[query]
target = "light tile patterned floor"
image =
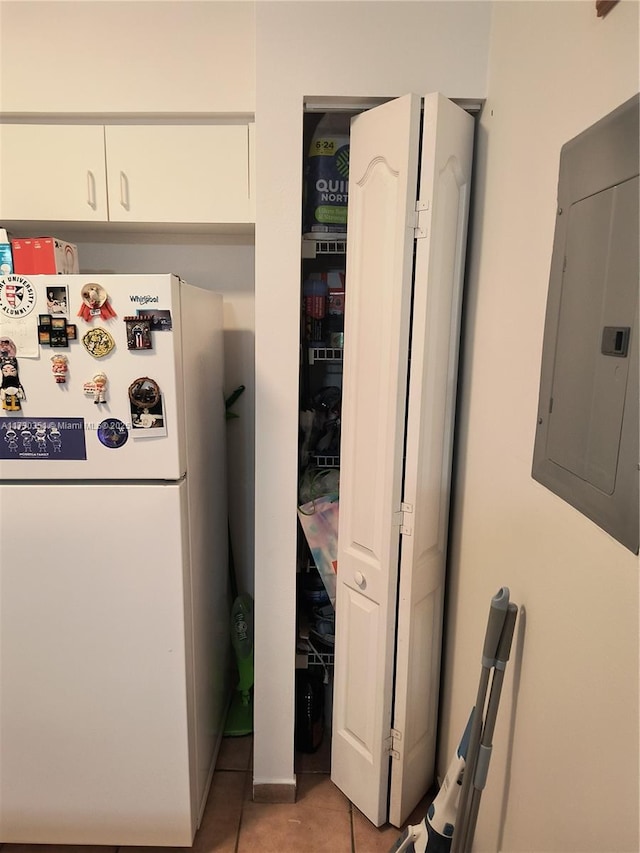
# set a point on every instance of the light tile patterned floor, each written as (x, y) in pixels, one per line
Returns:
(322, 820)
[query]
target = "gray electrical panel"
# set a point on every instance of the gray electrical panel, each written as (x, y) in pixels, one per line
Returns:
(586, 447)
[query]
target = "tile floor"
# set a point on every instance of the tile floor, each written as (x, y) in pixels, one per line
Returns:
(322, 820)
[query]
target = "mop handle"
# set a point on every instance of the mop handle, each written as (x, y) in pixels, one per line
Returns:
(506, 637)
(497, 615)
(495, 624)
(486, 746)
(502, 656)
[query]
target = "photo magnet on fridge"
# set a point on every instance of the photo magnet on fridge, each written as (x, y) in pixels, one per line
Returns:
(160, 319)
(44, 330)
(58, 332)
(147, 415)
(57, 299)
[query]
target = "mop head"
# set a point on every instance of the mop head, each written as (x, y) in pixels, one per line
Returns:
(240, 715)
(435, 833)
(424, 838)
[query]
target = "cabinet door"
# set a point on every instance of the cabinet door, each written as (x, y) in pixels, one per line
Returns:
(400, 361)
(52, 172)
(178, 173)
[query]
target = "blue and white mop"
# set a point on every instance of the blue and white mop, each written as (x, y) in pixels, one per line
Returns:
(451, 819)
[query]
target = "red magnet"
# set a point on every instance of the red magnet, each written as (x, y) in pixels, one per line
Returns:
(95, 303)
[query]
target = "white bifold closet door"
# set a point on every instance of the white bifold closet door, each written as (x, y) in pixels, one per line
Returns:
(409, 182)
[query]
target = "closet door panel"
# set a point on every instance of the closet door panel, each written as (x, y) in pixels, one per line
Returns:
(382, 186)
(447, 142)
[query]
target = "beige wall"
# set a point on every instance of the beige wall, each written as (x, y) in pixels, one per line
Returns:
(564, 774)
(120, 56)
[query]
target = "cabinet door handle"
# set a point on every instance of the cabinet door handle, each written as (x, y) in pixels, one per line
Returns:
(360, 580)
(91, 190)
(124, 191)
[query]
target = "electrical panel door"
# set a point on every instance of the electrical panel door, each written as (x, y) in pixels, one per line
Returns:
(586, 447)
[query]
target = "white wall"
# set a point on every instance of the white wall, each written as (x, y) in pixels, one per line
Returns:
(564, 774)
(124, 56)
(354, 49)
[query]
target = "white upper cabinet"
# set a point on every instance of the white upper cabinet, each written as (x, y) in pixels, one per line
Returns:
(52, 172)
(178, 173)
(126, 173)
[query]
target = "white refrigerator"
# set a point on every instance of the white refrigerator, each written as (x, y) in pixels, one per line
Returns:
(114, 606)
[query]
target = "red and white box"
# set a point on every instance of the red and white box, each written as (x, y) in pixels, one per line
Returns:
(44, 256)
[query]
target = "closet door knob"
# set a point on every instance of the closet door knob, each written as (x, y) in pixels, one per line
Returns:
(360, 579)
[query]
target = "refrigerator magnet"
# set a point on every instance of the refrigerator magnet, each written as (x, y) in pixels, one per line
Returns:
(7, 348)
(95, 303)
(147, 415)
(11, 390)
(98, 342)
(60, 367)
(97, 388)
(160, 319)
(58, 332)
(57, 299)
(17, 296)
(113, 433)
(138, 333)
(44, 330)
(43, 438)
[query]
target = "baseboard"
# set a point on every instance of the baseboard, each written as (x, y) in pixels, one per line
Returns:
(274, 793)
